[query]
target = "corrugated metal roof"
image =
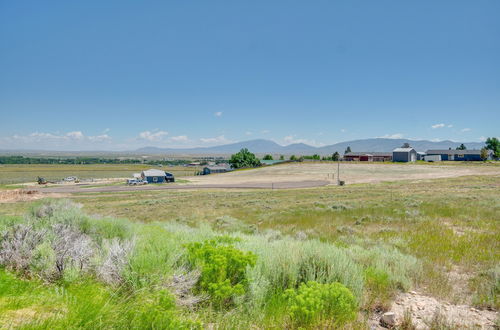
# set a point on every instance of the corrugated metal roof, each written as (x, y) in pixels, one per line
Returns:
(153, 172)
(454, 152)
(403, 150)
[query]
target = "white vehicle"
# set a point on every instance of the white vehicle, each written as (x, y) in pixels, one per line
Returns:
(135, 182)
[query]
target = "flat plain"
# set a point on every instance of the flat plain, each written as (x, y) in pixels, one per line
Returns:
(423, 237)
(25, 173)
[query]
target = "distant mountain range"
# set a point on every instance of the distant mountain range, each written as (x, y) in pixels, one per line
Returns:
(261, 146)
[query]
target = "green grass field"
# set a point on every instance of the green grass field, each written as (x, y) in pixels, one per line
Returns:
(22, 173)
(440, 237)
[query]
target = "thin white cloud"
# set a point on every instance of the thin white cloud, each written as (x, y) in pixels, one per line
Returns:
(221, 139)
(180, 138)
(77, 135)
(392, 136)
(218, 114)
(450, 126)
(438, 126)
(99, 138)
(465, 129)
(248, 133)
(265, 131)
(482, 139)
(39, 140)
(152, 136)
(343, 130)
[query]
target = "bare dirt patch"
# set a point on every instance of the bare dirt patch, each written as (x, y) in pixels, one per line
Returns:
(424, 310)
(22, 195)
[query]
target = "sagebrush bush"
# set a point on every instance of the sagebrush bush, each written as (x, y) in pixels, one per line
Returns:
(223, 268)
(54, 242)
(313, 302)
(401, 268)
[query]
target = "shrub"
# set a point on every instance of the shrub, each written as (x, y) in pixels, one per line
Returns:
(115, 260)
(223, 268)
(18, 245)
(52, 244)
(314, 302)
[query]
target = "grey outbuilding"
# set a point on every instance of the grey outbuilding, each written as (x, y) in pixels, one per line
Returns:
(404, 155)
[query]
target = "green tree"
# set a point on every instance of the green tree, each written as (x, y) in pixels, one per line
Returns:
(293, 157)
(347, 150)
(406, 145)
(484, 153)
(282, 157)
(244, 158)
(462, 147)
(493, 144)
(335, 156)
(268, 157)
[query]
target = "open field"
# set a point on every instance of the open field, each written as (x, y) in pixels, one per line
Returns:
(298, 175)
(349, 171)
(22, 173)
(427, 243)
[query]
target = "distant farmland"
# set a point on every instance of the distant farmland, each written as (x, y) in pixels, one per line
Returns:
(10, 174)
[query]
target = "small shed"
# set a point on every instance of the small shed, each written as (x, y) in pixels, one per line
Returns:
(216, 169)
(404, 155)
(153, 176)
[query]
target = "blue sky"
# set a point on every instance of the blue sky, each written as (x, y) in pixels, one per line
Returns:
(116, 75)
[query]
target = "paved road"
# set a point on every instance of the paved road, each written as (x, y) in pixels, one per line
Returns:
(277, 185)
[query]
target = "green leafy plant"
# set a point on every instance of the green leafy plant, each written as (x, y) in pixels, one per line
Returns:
(313, 302)
(244, 158)
(223, 268)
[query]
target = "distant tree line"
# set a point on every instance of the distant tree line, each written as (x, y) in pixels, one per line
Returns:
(85, 160)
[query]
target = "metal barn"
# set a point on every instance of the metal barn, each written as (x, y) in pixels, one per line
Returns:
(404, 155)
(154, 176)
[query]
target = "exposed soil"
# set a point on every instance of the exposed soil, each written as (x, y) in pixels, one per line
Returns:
(22, 195)
(423, 309)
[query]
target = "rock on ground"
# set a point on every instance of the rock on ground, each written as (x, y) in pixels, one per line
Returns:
(423, 309)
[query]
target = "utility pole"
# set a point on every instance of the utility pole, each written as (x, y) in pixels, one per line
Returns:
(338, 172)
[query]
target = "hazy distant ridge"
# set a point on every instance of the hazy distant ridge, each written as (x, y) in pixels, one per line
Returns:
(267, 146)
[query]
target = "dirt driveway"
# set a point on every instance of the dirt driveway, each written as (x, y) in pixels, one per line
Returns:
(256, 185)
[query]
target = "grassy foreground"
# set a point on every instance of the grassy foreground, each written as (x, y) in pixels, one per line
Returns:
(155, 270)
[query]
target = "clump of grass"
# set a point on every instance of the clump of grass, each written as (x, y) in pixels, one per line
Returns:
(231, 224)
(378, 292)
(487, 289)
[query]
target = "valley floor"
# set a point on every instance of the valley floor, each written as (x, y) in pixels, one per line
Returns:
(426, 248)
